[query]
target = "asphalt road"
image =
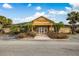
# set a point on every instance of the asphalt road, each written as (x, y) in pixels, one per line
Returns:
(39, 48)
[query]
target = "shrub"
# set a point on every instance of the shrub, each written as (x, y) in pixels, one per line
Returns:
(54, 35)
(15, 29)
(77, 31)
(21, 35)
(32, 34)
(62, 36)
(25, 35)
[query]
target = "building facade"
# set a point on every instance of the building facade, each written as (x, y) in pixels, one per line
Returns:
(44, 25)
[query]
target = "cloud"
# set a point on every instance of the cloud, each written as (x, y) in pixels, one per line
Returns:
(62, 12)
(53, 11)
(68, 8)
(75, 6)
(29, 5)
(6, 5)
(58, 15)
(38, 8)
(29, 18)
(39, 14)
(55, 15)
(36, 15)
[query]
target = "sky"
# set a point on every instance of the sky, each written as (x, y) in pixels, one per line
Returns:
(25, 12)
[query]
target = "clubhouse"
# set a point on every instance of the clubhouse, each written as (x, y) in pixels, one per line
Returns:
(43, 25)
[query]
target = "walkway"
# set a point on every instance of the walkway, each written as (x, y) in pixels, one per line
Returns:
(42, 37)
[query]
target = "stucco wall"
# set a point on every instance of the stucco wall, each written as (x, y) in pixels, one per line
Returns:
(41, 21)
(65, 30)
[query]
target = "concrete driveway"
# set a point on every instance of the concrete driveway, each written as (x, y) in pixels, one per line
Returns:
(39, 48)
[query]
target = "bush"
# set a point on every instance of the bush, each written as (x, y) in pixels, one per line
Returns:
(15, 30)
(54, 35)
(21, 35)
(77, 31)
(25, 35)
(32, 34)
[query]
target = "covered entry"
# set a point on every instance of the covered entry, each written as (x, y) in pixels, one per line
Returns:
(42, 25)
(42, 29)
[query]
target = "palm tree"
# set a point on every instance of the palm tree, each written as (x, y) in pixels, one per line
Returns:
(9, 21)
(73, 18)
(29, 25)
(2, 19)
(57, 26)
(5, 21)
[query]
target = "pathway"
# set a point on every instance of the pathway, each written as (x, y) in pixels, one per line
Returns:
(42, 37)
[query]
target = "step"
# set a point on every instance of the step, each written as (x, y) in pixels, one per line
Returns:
(41, 37)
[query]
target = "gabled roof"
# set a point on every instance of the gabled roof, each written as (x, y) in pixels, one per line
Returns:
(44, 18)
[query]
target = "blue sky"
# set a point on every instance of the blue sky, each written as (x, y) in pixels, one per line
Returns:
(24, 12)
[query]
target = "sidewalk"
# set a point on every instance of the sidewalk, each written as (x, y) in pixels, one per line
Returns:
(42, 37)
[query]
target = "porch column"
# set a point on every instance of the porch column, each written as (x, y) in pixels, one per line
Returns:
(50, 27)
(32, 29)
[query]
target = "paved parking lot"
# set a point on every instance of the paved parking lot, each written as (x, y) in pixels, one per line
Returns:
(39, 48)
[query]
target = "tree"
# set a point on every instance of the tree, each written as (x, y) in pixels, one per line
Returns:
(57, 26)
(73, 18)
(29, 26)
(15, 29)
(9, 21)
(5, 21)
(1, 27)
(23, 28)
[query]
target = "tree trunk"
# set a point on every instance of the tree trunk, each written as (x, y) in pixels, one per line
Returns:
(54, 29)
(73, 28)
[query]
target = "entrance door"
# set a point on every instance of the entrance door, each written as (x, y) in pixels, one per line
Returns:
(42, 30)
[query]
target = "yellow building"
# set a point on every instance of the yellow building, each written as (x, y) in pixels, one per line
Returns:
(43, 25)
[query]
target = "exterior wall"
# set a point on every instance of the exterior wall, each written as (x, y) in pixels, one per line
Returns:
(41, 21)
(51, 28)
(65, 30)
(38, 29)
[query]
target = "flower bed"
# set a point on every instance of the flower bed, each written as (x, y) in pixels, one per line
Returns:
(54, 35)
(25, 35)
